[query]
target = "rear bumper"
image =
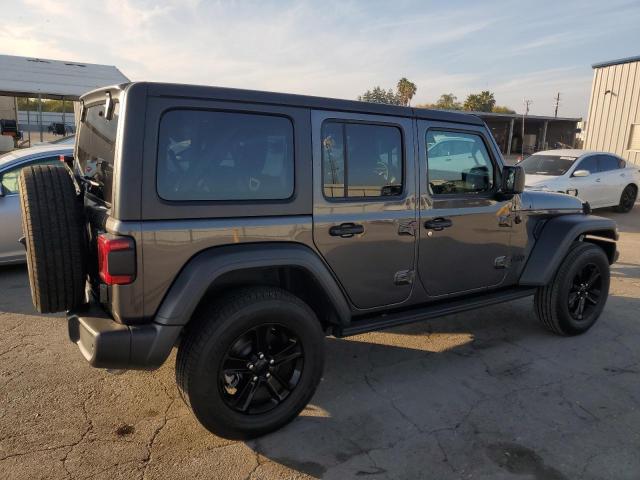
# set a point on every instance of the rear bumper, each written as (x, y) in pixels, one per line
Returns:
(105, 343)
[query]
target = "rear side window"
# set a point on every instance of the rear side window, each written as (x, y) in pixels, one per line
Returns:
(457, 163)
(212, 155)
(361, 160)
(96, 150)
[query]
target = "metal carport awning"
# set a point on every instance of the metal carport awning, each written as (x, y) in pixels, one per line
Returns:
(53, 79)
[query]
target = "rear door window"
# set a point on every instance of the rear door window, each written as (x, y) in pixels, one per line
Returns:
(361, 160)
(213, 155)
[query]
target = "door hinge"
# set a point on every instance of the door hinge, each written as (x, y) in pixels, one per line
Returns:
(403, 277)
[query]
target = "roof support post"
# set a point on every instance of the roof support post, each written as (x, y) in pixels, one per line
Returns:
(40, 116)
(29, 120)
(544, 135)
(510, 137)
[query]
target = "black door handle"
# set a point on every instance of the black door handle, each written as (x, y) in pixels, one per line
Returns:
(346, 230)
(438, 224)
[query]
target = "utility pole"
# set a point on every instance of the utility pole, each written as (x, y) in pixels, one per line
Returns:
(526, 112)
(556, 105)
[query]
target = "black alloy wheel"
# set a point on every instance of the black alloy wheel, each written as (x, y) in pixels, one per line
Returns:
(585, 292)
(261, 369)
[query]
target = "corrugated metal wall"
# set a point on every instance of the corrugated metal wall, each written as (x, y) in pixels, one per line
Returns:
(614, 107)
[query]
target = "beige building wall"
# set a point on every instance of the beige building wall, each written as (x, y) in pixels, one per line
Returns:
(614, 109)
(8, 108)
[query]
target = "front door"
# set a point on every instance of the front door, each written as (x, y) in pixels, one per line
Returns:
(364, 212)
(590, 188)
(465, 227)
(10, 214)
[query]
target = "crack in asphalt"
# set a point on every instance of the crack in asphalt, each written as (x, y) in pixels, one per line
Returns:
(148, 459)
(84, 435)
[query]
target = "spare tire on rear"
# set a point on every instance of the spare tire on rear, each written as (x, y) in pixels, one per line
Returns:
(55, 238)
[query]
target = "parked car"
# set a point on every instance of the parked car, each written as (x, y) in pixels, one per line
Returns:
(600, 178)
(243, 227)
(58, 128)
(10, 165)
(9, 129)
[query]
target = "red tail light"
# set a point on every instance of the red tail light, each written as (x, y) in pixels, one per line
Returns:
(116, 259)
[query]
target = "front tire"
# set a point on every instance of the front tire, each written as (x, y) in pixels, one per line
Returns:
(251, 362)
(627, 199)
(574, 300)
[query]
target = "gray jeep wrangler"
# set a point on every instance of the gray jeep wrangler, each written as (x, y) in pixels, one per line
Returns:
(243, 227)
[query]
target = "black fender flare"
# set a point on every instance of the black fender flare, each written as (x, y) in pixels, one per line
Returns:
(204, 268)
(554, 242)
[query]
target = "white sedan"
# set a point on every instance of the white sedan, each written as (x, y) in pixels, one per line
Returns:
(600, 178)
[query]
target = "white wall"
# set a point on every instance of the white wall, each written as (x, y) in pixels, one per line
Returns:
(7, 108)
(614, 107)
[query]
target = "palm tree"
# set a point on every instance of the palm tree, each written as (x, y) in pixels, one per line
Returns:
(406, 90)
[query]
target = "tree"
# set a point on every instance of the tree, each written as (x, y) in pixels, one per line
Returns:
(379, 95)
(47, 105)
(480, 102)
(405, 91)
(448, 101)
(502, 109)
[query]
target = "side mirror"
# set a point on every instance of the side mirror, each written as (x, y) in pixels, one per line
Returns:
(512, 180)
(581, 173)
(2, 190)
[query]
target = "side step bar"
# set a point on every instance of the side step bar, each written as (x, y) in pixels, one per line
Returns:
(439, 309)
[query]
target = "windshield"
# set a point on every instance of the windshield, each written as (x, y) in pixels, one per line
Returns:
(95, 150)
(553, 165)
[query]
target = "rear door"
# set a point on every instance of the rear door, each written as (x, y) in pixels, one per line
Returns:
(614, 178)
(364, 210)
(465, 227)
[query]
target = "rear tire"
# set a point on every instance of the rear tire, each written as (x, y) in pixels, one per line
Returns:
(627, 199)
(53, 227)
(232, 390)
(575, 298)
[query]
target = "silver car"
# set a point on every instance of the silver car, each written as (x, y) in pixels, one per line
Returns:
(10, 222)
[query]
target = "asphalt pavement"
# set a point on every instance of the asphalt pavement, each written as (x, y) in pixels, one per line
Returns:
(484, 394)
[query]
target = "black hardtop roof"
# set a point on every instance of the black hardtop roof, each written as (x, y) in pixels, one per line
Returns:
(157, 89)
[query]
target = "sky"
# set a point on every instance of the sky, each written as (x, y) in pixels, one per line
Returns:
(339, 49)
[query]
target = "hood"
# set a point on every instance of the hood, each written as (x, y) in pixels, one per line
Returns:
(534, 180)
(549, 201)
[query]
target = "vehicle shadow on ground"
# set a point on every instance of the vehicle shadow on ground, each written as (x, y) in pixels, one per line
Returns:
(384, 392)
(15, 296)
